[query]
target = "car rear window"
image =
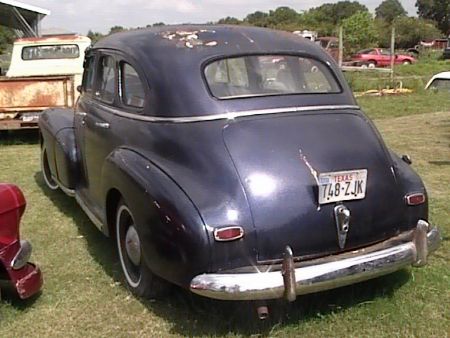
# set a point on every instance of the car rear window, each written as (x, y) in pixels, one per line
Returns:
(266, 75)
(441, 84)
(66, 51)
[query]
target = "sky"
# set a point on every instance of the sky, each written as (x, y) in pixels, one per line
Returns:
(98, 15)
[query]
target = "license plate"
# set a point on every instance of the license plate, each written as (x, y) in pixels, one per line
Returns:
(342, 186)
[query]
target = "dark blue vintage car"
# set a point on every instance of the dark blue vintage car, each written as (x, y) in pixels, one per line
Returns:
(235, 162)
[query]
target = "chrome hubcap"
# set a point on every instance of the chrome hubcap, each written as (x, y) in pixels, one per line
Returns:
(133, 245)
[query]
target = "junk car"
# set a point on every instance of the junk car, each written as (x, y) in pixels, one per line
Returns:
(234, 162)
(15, 270)
(439, 82)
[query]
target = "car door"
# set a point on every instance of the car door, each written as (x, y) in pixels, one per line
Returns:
(106, 125)
(100, 126)
(385, 57)
(81, 110)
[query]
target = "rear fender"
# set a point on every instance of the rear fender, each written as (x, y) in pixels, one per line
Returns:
(173, 235)
(410, 182)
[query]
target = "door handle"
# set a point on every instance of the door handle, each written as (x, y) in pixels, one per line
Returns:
(104, 125)
(81, 113)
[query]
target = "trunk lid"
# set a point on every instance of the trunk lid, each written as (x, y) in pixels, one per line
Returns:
(279, 158)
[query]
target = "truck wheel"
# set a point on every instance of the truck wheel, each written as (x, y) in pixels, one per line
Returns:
(406, 62)
(46, 173)
(139, 279)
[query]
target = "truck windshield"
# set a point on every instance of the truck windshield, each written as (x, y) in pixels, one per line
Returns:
(265, 75)
(67, 51)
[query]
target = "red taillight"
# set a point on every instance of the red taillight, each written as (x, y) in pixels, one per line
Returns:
(415, 199)
(228, 233)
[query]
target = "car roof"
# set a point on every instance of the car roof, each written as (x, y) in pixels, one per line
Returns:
(203, 41)
(442, 75)
(172, 59)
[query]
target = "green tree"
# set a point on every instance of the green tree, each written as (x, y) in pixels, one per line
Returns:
(158, 24)
(257, 18)
(229, 20)
(94, 36)
(6, 38)
(282, 16)
(388, 10)
(436, 10)
(359, 32)
(328, 16)
(116, 29)
(408, 32)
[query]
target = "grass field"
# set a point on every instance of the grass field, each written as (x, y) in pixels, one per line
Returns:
(413, 76)
(83, 294)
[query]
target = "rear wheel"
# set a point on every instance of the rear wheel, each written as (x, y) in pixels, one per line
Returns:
(406, 62)
(372, 64)
(139, 279)
(46, 173)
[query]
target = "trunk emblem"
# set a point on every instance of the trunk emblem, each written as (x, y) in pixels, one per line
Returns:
(342, 218)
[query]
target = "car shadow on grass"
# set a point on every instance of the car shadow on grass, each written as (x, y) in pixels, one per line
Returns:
(16, 137)
(100, 247)
(192, 315)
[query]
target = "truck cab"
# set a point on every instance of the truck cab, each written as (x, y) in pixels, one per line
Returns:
(53, 55)
(44, 73)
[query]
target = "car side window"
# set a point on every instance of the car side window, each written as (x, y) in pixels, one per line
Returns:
(88, 77)
(107, 79)
(131, 87)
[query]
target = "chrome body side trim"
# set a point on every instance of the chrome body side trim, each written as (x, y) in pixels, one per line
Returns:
(229, 115)
(337, 271)
(89, 213)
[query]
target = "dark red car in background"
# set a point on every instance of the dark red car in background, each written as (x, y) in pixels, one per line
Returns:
(15, 270)
(378, 57)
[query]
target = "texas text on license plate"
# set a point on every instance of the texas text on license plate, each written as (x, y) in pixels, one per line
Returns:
(342, 186)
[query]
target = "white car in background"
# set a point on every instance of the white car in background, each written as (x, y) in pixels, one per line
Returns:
(440, 81)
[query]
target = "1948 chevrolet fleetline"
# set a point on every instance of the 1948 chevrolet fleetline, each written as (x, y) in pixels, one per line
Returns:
(235, 162)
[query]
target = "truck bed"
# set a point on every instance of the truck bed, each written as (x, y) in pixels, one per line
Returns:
(23, 98)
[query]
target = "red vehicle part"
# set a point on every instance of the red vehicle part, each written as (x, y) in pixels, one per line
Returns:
(377, 57)
(14, 253)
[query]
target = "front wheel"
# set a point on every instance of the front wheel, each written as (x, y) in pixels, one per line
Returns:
(139, 279)
(46, 173)
(406, 62)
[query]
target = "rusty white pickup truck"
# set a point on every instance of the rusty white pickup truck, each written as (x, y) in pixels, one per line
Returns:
(44, 73)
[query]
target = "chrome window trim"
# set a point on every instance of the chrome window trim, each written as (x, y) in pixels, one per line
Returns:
(229, 115)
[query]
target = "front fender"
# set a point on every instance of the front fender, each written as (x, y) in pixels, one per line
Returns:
(56, 126)
(174, 237)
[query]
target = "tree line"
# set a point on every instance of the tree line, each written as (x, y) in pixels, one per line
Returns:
(362, 28)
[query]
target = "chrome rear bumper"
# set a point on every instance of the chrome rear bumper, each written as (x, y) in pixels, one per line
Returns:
(322, 274)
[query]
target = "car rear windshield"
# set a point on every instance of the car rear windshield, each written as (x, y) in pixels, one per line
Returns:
(67, 51)
(441, 84)
(265, 75)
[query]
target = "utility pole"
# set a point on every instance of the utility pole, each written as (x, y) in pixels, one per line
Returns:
(341, 46)
(392, 53)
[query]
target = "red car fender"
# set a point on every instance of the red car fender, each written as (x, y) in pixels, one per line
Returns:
(12, 207)
(28, 279)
